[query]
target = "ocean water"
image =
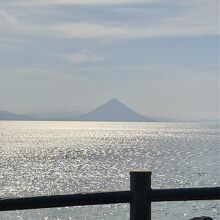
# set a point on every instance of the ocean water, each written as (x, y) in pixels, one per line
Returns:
(44, 158)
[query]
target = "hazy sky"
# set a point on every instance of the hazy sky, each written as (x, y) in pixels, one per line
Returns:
(160, 57)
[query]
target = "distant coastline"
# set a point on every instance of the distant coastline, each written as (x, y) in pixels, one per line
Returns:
(111, 111)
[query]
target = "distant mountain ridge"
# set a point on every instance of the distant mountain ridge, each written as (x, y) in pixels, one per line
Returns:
(113, 110)
(59, 115)
(4, 115)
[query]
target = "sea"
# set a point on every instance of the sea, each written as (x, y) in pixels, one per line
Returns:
(46, 158)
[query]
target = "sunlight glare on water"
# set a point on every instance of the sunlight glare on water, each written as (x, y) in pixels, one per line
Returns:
(39, 158)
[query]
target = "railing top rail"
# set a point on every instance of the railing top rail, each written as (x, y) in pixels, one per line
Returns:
(97, 198)
(185, 194)
(64, 200)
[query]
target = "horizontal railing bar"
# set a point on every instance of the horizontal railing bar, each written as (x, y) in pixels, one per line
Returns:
(185, 194)
(98, 198)
(53, 201)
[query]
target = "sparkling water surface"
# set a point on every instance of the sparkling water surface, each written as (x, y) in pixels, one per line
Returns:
(44, 158)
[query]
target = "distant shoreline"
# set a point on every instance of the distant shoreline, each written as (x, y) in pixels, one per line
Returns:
(167, 122)
(111, 111)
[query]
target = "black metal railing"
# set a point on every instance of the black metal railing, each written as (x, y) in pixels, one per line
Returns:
(140, 196)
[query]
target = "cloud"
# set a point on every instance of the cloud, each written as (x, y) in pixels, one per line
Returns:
(8, 18)
(83, 57)
(77, 2)
(195, 20)
(170, 28)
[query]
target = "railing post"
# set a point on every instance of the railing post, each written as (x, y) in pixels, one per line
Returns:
(140, 205)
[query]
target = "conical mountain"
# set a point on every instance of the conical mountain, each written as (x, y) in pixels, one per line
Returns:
(113, 110)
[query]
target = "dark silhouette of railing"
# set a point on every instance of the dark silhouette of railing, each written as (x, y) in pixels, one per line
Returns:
(140, 196)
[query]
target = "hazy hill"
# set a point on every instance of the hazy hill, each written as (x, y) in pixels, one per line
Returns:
(4, 115)
(46, 116)
(56, 116)
(113, 110)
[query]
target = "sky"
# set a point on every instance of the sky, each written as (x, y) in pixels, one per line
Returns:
(159, 57)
